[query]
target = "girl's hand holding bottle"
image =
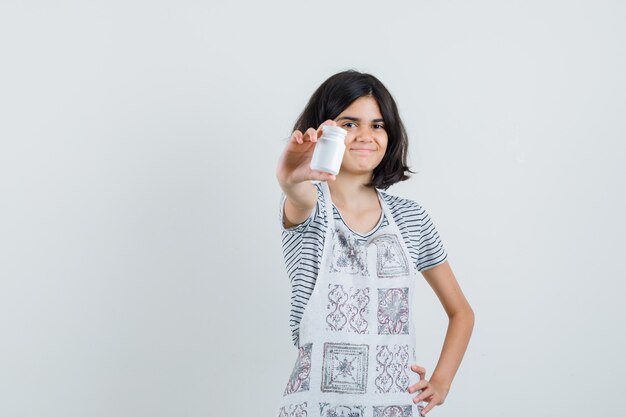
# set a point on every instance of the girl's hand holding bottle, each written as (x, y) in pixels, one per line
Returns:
(294, 162)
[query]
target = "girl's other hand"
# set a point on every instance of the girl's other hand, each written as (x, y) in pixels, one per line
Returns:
(294, 163)
(429, 391)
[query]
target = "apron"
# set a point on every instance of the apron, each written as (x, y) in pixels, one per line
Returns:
(357, 337)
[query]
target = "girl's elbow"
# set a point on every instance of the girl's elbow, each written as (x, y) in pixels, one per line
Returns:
(465, 314)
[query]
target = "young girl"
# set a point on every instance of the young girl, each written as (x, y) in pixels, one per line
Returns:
(352, 253)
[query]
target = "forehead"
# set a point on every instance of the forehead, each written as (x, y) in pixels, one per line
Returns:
(366, 106)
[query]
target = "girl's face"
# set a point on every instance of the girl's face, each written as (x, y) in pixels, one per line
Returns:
(366, 141)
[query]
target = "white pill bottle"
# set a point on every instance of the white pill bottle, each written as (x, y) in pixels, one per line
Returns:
(329, 149)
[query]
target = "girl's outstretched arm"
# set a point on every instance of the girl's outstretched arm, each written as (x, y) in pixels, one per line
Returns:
(461, 323)
(294, 172)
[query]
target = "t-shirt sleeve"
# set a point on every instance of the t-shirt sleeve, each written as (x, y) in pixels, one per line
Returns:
(302, 227)
(431, 251)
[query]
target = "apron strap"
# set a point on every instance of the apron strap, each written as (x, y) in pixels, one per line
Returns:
(328, 203)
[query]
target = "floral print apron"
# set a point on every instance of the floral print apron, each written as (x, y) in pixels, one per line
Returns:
(357, 338)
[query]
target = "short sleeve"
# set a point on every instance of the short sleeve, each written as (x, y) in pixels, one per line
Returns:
(302, 227)
(431, 251)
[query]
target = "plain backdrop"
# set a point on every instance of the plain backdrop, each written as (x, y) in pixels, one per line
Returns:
(141, 270)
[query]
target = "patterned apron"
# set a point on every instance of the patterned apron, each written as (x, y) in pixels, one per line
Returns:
(357, 339)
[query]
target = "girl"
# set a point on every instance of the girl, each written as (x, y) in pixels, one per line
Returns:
(352, 253)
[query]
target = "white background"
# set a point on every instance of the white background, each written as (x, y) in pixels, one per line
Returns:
(141, 271)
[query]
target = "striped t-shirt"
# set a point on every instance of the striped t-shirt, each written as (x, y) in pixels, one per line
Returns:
(303, 245)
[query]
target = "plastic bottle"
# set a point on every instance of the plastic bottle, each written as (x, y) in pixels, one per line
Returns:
(329, 149)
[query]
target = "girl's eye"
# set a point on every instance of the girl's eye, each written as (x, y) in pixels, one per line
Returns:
(349, 124)
(379, 126)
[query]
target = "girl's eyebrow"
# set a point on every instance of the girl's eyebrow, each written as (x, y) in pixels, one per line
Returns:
(356, 119)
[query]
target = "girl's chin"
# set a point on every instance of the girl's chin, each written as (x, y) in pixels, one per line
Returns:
(360, 170)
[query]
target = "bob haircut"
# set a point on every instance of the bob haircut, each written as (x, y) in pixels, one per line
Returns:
(336, 94)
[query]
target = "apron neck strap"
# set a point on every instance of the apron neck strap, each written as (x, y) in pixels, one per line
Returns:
(328, 203)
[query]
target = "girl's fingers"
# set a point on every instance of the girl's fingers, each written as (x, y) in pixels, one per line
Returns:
(418, 386)
(428, 407)
(421, 371)
(328, 122)
(310, 135)
(296, 136)
(424, 395)
(322, 176)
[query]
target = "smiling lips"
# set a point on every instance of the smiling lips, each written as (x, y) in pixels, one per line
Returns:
(362, 150)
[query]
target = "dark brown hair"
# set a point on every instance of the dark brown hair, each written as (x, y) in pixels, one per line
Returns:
(336, 94)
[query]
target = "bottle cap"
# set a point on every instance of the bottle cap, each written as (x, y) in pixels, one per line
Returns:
(334, 131)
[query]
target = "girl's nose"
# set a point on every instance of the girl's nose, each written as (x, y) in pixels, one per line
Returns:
(365, 133)
(364, 136)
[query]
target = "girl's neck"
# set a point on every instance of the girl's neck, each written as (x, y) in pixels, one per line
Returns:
(349, 190)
